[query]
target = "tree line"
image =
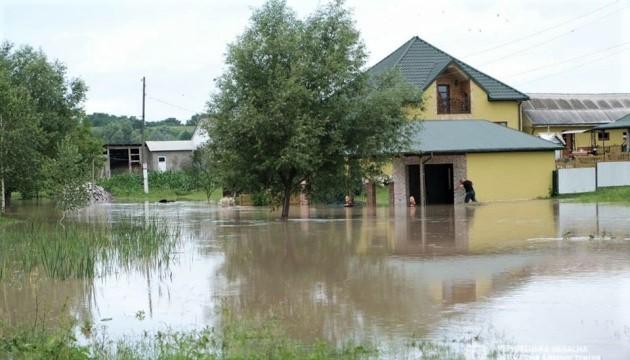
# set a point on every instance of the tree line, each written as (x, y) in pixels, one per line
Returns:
(113, 129)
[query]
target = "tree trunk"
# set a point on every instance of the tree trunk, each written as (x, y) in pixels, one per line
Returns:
(286, 202)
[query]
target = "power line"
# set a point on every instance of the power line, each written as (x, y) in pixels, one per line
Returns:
(500, 45)
(581, 56)
(172, 105)
(617, 11)
(571, 68)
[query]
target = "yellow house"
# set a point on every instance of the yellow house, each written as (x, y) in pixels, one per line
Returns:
(503, 163)
(573, 116)
(451, 88)
(472, 129)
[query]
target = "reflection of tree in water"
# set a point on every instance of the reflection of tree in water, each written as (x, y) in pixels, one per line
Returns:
(315, 284)
(362, 277)
(48, 272)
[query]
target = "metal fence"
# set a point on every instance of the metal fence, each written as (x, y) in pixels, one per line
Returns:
(587, 179)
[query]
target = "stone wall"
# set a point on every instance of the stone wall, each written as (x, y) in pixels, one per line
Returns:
(399, 174)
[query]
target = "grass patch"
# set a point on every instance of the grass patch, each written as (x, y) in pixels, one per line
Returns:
(619, 194)
(4, 220)
(156, 195)
(170, 185)
(84, 251)
(236, 339)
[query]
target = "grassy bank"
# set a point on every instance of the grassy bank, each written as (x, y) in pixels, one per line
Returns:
(235, 339)
(159, 194)
(619, 194)
(170, 185)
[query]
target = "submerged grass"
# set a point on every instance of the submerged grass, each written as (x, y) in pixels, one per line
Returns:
(234, 340)
(619, 194)
(82, 250)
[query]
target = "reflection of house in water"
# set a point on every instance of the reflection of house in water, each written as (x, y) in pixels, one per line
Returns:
(461, 229)
(426, 244)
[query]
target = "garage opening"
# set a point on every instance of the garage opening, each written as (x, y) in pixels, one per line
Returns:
(438, 181)
(119, 160)
(413, 179)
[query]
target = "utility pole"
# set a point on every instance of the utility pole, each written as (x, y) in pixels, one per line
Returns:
(145, 175)
(3, 201)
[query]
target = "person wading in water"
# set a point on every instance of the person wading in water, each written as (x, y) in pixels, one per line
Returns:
(468, 188)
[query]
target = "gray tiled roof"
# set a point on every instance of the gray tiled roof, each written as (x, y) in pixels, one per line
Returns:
(420, 63)
(622, 123)
(575, 109)
(472, 136)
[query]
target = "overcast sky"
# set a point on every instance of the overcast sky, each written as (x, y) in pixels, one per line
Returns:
(533, 45)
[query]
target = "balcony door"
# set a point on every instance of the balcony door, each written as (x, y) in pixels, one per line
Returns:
(444, 99)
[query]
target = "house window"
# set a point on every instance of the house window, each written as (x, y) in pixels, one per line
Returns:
(603, 136)
(502, 123)
(161, 159)
(444, 99)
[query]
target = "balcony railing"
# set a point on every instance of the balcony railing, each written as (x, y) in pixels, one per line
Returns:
(454, 106)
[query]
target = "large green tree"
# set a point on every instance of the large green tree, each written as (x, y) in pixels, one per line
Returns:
(296, 105)
(20, 136)
(40, 106)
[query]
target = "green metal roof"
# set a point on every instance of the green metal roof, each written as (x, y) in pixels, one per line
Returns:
(420, 63)
(471, 136)
(621, 123)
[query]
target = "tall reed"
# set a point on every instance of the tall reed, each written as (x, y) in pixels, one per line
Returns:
(85, 250)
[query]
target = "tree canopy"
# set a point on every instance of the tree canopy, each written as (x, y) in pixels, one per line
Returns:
(39, 108)
(295, 105)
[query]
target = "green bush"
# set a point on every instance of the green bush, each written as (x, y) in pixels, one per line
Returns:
(261, 198)
(123, 184)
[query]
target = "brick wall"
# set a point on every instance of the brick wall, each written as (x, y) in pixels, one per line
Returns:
(399, 174)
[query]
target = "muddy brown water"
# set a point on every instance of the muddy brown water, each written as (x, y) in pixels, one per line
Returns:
(542, 277)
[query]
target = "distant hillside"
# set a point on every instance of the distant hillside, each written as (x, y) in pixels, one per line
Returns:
(124, 129)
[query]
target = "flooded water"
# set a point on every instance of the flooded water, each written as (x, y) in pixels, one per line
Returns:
(541, 277)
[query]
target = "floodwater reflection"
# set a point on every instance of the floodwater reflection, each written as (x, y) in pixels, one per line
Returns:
(536, 272)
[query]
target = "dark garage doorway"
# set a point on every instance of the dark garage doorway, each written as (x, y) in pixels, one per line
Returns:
(438, 181)
(413, 179)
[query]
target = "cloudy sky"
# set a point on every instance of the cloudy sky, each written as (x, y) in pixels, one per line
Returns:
(533, 45)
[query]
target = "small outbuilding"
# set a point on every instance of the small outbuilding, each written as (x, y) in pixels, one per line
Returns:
(160, 155)
(503, 163)
(169, 155)
(620, 125)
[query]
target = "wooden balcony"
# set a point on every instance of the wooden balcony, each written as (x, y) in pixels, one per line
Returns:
(453, 106)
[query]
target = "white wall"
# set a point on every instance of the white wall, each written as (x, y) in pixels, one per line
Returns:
(199, 137)
(579, 180)
(613, 173)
